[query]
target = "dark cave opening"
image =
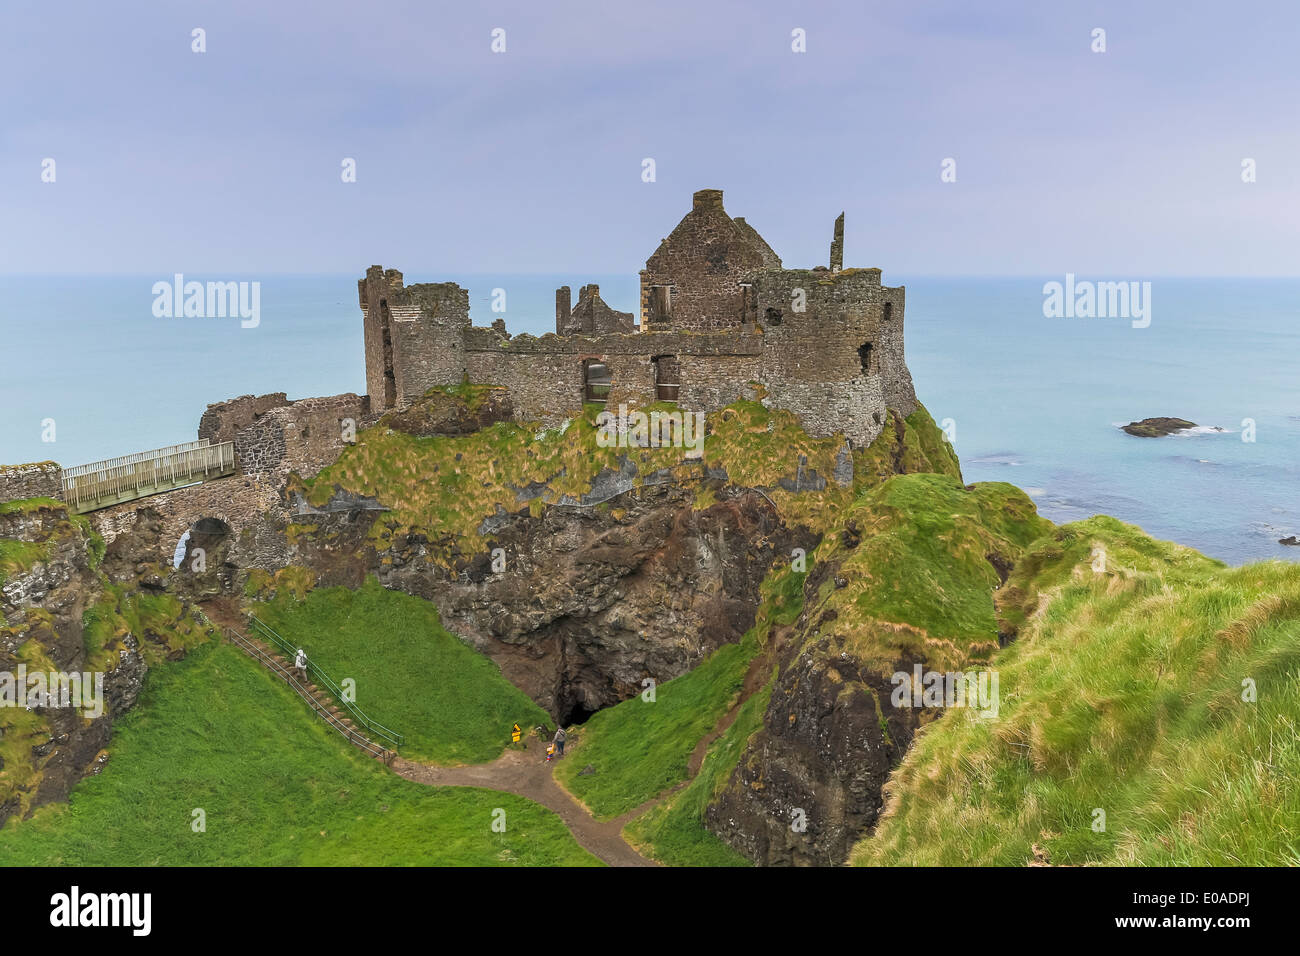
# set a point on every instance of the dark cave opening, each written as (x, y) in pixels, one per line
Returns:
(574, 712)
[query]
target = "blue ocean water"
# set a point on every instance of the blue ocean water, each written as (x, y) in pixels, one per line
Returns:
(1032, 400)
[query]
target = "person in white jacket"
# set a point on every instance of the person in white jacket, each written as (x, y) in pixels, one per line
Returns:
(300, 664)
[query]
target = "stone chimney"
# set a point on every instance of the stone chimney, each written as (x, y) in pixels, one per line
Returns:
(837, 245)
(707, 199)
(563, 309)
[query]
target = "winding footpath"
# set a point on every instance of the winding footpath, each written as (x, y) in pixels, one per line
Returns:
(525, 773)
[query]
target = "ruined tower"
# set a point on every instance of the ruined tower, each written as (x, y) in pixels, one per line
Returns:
(563, 314)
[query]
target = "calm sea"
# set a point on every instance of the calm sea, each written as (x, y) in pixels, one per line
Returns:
(1032, 400)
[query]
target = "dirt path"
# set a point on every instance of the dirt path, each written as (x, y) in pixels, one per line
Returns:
(526, 774)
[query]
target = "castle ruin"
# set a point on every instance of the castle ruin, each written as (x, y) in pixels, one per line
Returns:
(719, 315)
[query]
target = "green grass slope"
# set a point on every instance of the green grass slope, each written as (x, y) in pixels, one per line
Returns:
(919, 555)
(413, 676)
(673, 831)
(638, 749)
(216, 732)
(1123, 693)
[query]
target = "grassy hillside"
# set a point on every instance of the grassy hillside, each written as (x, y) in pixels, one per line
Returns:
(450, 701)
(637, 749)
(218, 733)
(673, 832)
(919, 557)
(1122, 693)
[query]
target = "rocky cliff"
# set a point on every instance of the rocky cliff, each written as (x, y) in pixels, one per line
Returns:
(62, 614)
(905, 579)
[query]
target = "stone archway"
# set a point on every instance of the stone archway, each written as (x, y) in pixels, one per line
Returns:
(205, 535)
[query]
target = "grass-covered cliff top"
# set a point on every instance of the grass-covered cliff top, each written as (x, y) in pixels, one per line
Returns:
(448, 485)
(1147, 682)
(910, 569)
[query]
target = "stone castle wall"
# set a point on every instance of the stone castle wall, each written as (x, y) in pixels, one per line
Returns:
(43, 479)
(545, 375)
(223, 420)
(412, 336)
(813, 362)
(703, 260)
(303, 436)
(717, 307)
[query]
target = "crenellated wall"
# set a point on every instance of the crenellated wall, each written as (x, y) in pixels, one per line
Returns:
(813, 364)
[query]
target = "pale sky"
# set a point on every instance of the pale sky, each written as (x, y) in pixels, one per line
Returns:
(228, 162)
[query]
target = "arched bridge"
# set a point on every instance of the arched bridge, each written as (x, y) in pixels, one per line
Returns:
(115, 480)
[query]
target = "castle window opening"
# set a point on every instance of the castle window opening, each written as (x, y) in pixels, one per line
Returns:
(889, 311)
(661, 304)
(864, 354)
(390, 378)
(667, 378)
(596, 381)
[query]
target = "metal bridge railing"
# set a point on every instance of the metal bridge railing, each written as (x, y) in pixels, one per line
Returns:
(101, 483)
(287, 675)
(131, 459)
(377, 730)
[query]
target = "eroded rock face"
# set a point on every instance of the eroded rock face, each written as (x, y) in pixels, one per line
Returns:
(592, 601)
(580, 604)
(50, 585)
(45, 604)
(880, 622)
(601, 603)
(810, 782)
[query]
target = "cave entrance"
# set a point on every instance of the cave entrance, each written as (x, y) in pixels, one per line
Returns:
(571, 704)
(575, 713)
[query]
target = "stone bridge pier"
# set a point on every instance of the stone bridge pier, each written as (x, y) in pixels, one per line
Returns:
(272, 437)
(156, 524)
